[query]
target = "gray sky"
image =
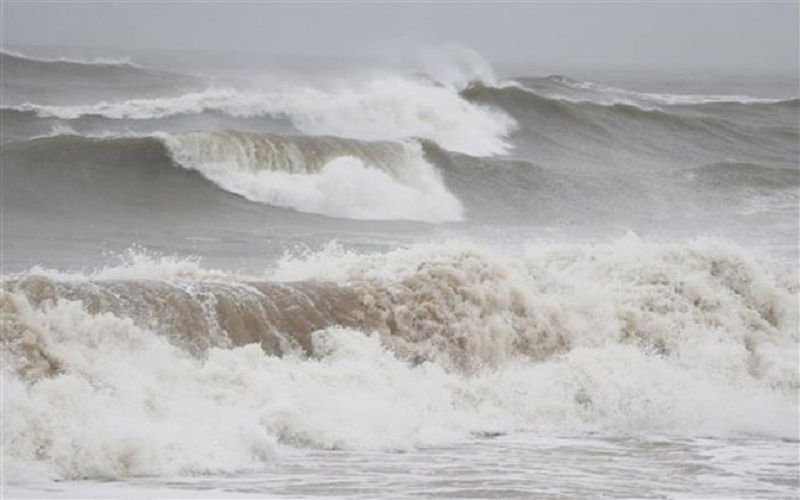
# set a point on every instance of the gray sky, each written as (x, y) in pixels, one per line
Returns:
(735, 35)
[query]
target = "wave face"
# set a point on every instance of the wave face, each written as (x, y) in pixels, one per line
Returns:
(163, 367)
(590, 134)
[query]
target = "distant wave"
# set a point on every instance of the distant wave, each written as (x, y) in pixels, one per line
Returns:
(744, 175)
(73, 82)
(99, 61)
(604, 94)
(381, 109)
(323, 175)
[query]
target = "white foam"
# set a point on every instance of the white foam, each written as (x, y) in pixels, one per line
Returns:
(402, 186)
(136, 263)
(347, 188)
(694, 339)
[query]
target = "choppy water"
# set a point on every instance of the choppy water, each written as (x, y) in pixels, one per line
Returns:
(374, 282)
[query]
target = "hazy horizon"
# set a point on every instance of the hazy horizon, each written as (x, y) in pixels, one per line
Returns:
(757, 36)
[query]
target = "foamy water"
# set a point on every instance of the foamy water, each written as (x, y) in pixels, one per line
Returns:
(518, 466)
(396, 285)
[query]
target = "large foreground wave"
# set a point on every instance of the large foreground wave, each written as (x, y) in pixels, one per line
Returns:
(162, 367)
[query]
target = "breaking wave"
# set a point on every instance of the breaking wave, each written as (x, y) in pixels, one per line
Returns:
(380, 109)
(167, 368)
(323, 175)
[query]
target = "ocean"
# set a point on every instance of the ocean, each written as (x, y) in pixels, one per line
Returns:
(297, 278)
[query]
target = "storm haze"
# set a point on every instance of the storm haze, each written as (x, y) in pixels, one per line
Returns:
(650, 35)
(417, 249)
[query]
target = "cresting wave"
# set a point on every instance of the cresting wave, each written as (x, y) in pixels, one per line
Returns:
(323, 175)
(162, 367)
(379, 109)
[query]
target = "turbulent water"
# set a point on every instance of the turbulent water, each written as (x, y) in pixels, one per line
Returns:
(383, 283)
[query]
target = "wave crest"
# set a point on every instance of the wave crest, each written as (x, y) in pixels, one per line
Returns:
(324, 175)
(380, 109)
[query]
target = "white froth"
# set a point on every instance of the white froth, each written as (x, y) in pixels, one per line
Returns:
(695, 339)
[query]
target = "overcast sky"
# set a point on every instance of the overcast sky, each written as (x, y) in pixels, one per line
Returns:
(736, 35)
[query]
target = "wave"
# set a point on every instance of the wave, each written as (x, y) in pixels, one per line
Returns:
(186, 370)
(323, 175)
(604, 94)
(141, 176)
(56, 82)
(526, 100)
(380, 109)
(554, 130)
(100, 61)
(744, 175)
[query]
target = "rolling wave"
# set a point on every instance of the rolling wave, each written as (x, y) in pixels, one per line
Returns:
(553, 130)
(324, 175)
(380, 109)
(579, 91)
(352, 179)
